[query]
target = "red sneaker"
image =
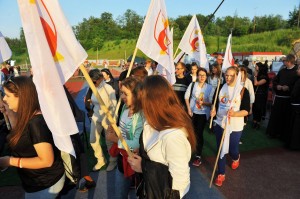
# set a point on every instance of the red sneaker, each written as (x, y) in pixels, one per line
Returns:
(219, 180)
(235, 164)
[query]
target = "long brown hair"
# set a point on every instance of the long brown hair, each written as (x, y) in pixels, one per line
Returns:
(23, 88)
(162, 108)
(134, 85)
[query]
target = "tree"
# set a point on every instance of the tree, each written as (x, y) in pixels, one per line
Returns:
(293, 18)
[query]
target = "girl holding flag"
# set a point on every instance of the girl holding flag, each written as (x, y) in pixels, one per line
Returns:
(233, 105)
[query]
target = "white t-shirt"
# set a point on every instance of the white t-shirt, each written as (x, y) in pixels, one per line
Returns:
(225, 98)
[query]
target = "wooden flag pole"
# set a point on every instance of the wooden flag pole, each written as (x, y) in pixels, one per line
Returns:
(5, 116)
(216, 162)
(175, 52)
(216, 97)
(105, 109)
(127, 75)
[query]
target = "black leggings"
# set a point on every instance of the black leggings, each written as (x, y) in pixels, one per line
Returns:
(199, 122)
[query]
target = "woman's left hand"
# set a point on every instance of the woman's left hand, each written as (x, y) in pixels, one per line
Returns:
(135, 162)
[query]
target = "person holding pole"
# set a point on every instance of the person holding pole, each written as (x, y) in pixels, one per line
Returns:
(131, 126)
(99, 119)
(233, 105)
(198, 98)
(165, 144)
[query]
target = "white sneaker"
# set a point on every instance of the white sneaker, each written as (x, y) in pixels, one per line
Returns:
(111, 166)
(99, 165)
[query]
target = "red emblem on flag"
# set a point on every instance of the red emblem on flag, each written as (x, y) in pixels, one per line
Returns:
(160, 33)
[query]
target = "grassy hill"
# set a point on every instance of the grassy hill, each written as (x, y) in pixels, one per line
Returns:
(279, 40)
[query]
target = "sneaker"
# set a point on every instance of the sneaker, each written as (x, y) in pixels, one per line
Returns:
(99, 165)
(81, 185)
(219, 180)
(197, 162)
(235, 164)
(111, 166)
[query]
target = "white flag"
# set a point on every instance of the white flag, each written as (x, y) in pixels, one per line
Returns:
(5, 52)
(228, 58)
(156, 40)
(236, 91)
(55, 54)
(192, 43)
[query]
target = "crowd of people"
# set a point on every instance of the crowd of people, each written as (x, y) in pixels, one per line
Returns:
(162, 124)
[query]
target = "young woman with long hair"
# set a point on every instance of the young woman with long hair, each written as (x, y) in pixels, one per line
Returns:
(166, 142)
(37, 159)
(198, 98)
(131, 126)
(235, 107)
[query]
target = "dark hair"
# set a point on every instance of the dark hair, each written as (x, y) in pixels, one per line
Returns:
(262, 69)
(290, 58)
(162, 108)
(134, 85)
(23, 88)
(244, 70)
(139, 72)
(246, 63)
(107, 71)
(219, 70)
(95, 74)
(201, 69)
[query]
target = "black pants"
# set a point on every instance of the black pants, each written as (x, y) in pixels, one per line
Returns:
(199, 122)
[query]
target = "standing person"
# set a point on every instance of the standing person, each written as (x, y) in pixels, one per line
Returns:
(219, 60)
(131, 127)
(293, 141)
(247, 83)
(193, 75)
(37, 159)
(235, 108)
(109, 79)
(99, 119)
(282, 85)
(181, 84)
(148, 67)
(166, 142)
(215, 75)
(198, 98)
(261, 83)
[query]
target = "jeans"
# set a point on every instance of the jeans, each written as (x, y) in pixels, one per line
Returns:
(49, 193)
(233, 146)
(123, 185)
(199, 122)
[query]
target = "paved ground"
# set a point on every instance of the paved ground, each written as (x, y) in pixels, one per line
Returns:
(267, 173)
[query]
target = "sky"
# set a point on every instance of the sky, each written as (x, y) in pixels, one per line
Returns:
(76, 10)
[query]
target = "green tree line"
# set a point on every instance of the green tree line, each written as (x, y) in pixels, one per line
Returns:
(94, 31)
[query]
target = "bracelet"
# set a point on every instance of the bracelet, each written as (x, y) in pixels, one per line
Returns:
(20, 163)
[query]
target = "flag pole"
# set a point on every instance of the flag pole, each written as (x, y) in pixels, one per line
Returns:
(175, 52)
(105, 109)
(5, 116)
(216, 162)
(216, 97)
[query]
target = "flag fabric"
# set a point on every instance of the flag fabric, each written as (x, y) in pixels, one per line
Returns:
(55, 54)
(228, 58)
(192, 43)
(156, 40)
(236, 91)
(5, 52)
